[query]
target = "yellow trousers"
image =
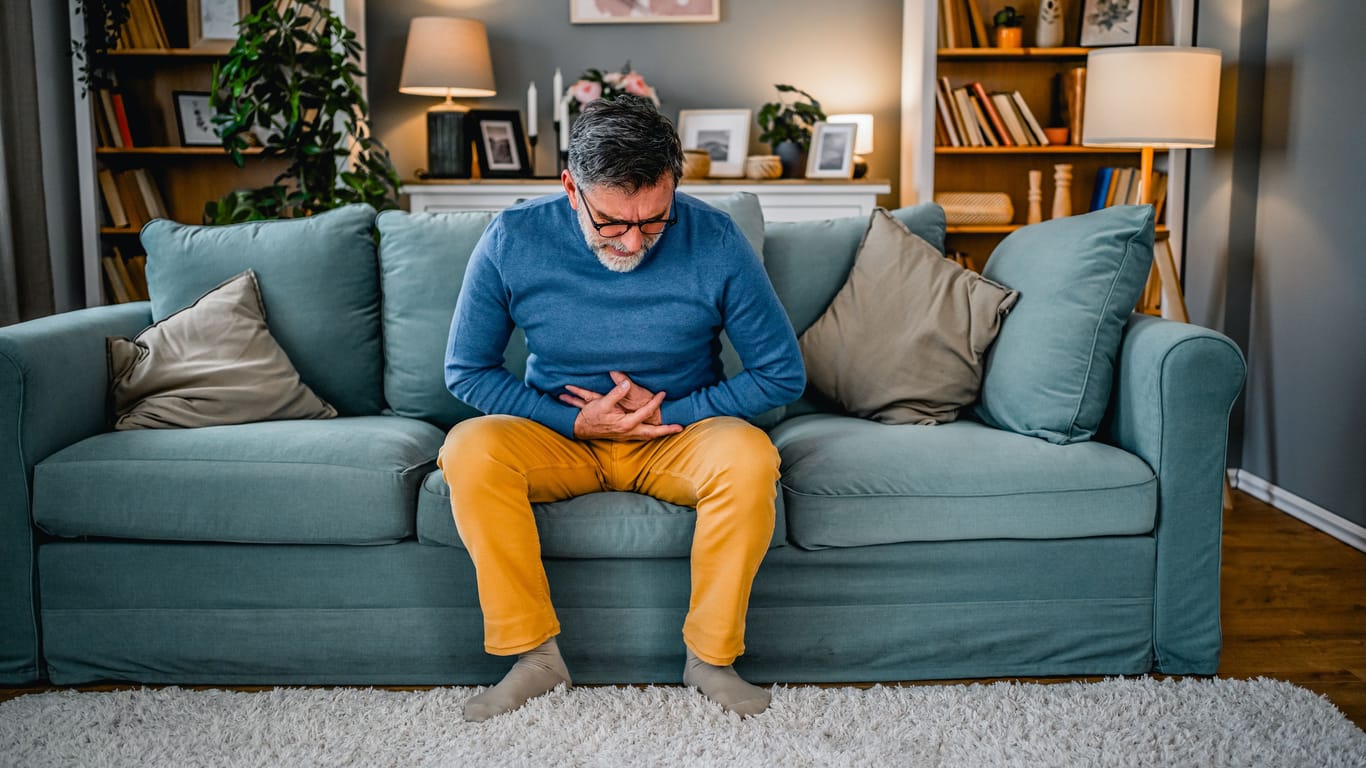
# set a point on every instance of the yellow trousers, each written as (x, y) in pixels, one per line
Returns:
(498, 466)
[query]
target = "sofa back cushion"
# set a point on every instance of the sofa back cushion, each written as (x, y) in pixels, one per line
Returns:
(422, 260)
(319, 281)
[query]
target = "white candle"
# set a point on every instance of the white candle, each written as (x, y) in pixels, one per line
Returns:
(564, 124)
(558, 86)
(531, 109)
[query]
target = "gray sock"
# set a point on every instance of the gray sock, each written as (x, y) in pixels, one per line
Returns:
(723, 686)
(536, 672)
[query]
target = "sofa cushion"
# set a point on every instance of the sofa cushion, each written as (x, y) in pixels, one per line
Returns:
(340, 481)
(1050, 371)
(422, 259)
(904, 340)
(319, 279)
(611, 524)
(849, 482)
(213, 362)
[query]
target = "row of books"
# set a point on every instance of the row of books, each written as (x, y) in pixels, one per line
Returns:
(111, 119)
(962, 25)
(131, 198)
(962, 259)
(968, 116)
(1121, 186)
(143, 29)
(126, 277)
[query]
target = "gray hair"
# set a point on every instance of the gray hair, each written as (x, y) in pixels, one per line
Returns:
(624, 143)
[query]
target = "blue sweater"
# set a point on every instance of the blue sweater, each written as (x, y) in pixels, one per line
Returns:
(660, 324)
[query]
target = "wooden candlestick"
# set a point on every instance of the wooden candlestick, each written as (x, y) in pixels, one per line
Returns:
(1035, 214)
(1062, 190)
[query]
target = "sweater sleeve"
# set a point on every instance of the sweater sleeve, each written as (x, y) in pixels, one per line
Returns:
(480, 329)
(762, 335)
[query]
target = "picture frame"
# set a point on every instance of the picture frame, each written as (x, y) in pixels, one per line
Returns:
(212, 24)
(832, 151)
(500, 145)
(723, 133)
(643, 11)
(1107, 23)
(194, 119)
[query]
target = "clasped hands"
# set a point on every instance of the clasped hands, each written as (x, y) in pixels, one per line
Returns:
(627, 412)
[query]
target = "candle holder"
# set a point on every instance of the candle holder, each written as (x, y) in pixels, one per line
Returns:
(531, 161)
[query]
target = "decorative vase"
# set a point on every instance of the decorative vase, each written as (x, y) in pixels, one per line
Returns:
(793, 158)
(1048, 32)
(763, 167)
(1010, 37)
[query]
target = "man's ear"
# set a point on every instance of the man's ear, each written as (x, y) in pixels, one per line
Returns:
(570, 188)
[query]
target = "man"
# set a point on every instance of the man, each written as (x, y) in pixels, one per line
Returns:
(622, 287)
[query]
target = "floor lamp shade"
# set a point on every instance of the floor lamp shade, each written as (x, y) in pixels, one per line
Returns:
(447, 57)
(1158, 96)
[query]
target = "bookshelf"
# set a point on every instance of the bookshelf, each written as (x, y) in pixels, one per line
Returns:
(1034, 73)
(145, 172)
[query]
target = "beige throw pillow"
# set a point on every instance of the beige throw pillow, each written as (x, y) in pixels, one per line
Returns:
(213, 362)
(905, 339)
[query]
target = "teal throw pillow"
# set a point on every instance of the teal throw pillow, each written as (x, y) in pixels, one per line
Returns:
(1050, 372)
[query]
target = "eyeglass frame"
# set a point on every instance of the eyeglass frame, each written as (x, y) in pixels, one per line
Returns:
(667, 220)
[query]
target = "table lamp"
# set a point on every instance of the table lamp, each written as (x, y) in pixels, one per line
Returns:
(863, 138)
(447, 57)
(1153, 97)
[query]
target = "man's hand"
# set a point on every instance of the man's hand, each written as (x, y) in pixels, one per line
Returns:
(627, 412)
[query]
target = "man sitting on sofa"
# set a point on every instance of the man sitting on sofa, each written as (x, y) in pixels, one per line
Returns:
(622, 288)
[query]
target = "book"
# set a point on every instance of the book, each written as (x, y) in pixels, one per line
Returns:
(993, 117)
(947, 89)
(974, 131)
(137, 270)
(948, 23)
(115, 282)
(131, 198)
(946, 120)
(1159, 196)
(121, 268)
(1028, 116)
(151, 195)
(1006, 107)
(979, 26)
(155, 23)
(110, 118)
(121, 116)
(1102, 185)
(110, 192)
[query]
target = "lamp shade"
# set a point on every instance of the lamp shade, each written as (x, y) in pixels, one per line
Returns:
(1160, 96)
(863, 137)
(447, 57)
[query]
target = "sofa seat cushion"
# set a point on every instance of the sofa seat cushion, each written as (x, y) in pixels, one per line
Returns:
(850, 482)
(610, 524)
(341, 481)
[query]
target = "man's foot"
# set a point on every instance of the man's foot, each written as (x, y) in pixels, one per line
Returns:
(723, 686)
(538, 671)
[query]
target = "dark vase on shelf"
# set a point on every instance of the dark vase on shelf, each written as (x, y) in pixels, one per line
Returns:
(793, 158)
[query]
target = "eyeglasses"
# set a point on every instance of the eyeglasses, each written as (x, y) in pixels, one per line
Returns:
(649, 227)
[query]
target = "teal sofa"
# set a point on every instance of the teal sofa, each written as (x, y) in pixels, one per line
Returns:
(323, 552)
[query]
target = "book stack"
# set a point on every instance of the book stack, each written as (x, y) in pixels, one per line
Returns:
(131, 198)
(969, 116)
(143, 29)
(111, 119)
(126, 277)
(962, 24)
(1120, 186)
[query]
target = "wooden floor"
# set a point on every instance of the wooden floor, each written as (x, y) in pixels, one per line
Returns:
(1294, 608)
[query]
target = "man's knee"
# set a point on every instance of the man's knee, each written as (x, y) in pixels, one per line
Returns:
(743, 449)
(472, 444)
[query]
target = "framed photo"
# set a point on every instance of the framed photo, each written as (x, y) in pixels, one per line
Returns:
(643, 11)
(832, 151)
(1109, 22)
(213, 23)
(500, 145)
(194, 119)
(723, 133)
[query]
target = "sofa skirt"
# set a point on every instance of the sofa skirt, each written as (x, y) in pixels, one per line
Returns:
(408, 614)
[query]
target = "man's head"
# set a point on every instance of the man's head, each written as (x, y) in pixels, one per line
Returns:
(627, 158)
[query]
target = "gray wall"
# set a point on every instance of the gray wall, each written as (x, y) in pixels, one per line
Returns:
(847, 54)
(1277, 248)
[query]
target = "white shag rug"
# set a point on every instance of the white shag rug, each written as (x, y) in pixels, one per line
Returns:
(1118, 722)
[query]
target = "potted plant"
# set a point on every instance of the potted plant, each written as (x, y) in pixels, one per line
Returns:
(786, 127)
(291, 83)
(1009, 28)
(103, 21)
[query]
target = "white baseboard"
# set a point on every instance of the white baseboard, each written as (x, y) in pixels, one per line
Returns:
(1338, 527)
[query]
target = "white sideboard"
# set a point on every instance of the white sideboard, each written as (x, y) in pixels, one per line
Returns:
(781, 199)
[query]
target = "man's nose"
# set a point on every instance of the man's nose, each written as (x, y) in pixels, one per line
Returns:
(633, 239)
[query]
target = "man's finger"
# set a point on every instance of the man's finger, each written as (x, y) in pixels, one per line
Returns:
(616, 394)
(574, 401)
(587, 394)
(637, 417)
(618, 377)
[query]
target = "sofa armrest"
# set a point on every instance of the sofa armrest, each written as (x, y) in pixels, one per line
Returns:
(1175, 385)
(53, 384)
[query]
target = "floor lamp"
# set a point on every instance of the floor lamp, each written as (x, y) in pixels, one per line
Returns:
(447, 57)
(1153, 97)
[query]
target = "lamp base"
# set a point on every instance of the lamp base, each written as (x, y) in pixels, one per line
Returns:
(448, 146)
(860, 167)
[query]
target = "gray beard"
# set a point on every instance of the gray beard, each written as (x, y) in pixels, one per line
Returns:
(604, 248)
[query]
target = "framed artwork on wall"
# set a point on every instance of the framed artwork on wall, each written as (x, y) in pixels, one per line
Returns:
(723, 133)
(832, 151)
(499, 142)
(643, 11)
(194, 119)
(213, 23)
(1109, 22)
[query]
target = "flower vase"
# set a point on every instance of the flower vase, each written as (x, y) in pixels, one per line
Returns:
(1048, 32)
(793, 158)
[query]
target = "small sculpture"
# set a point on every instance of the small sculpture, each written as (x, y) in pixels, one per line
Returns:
(1062, 190)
